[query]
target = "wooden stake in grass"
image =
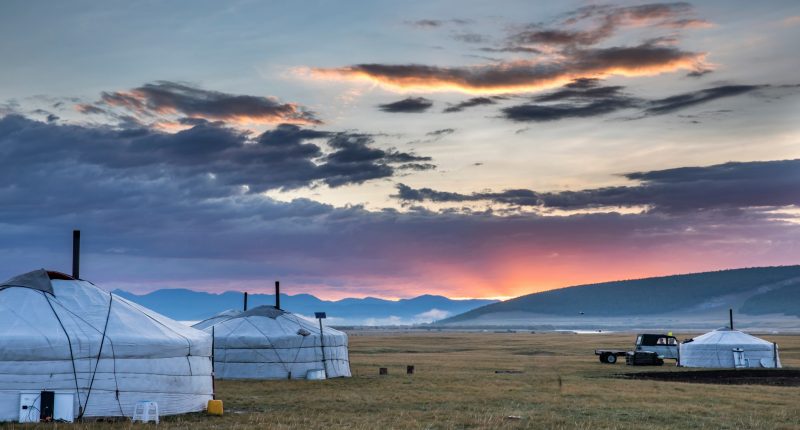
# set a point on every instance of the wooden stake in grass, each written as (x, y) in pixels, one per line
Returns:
(383, 371)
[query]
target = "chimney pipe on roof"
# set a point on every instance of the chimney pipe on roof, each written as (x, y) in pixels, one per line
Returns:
(245, 300)
(730, 314)
(76, 254)
(277, 295)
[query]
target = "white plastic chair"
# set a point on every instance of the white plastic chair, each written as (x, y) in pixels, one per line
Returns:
(146, 411)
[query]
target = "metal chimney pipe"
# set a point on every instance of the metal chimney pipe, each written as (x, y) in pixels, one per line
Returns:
(277, 295)
(76, 254)
(245, 300)
(730, 313)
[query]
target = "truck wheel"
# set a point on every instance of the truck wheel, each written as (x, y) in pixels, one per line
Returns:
(611, 359)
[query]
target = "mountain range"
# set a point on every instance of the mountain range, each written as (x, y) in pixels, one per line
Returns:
(189, 305)
(763, 297)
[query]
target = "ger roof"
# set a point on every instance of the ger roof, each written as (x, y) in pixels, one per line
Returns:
(726, 336)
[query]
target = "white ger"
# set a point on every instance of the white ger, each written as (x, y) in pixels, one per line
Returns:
(726, 348)
(97, 350)
(269, 343)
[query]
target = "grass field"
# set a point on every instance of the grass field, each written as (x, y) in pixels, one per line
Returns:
(562, 385)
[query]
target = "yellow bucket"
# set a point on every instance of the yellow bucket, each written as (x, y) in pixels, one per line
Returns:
(214, 407)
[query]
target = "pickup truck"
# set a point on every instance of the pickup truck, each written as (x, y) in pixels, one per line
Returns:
(649, 349)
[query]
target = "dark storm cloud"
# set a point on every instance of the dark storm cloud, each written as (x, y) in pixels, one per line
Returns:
(475, 101)
(174, 98)
(283, 158)
(729, 186)
(408, 105)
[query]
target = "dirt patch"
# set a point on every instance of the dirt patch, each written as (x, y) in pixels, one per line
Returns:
(775, 377)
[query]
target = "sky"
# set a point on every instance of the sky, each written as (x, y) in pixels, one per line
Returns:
(392, 149)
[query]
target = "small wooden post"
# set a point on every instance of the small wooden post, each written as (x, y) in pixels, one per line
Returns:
(383, 371)
(409, 370)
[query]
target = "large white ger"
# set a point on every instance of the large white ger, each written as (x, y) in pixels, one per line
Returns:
(69, 336)
(726, 348)
(269, 343)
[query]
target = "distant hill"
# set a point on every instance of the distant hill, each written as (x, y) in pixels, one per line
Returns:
(188, 305)
(753, 291)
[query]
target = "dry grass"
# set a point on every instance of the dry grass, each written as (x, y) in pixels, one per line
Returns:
(562, 386)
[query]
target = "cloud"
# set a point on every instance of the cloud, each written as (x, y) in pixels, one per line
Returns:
(512, 49)
(436, 23)
(441, 132)
(583, 97)
(427, 23)
(729, 186)
(165, 98)
(475, 101)
(564, 50)
(682, 101)
(179, 210)
(791, 21)
(286, 157)
(698, 73)
(597, 23)
(87, 108)
(522, 75)
(471, 37)
(408, 105)
(587, 98)
(610, 18)
(542, 113)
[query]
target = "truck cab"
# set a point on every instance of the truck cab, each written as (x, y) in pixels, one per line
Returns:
(664, 345)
